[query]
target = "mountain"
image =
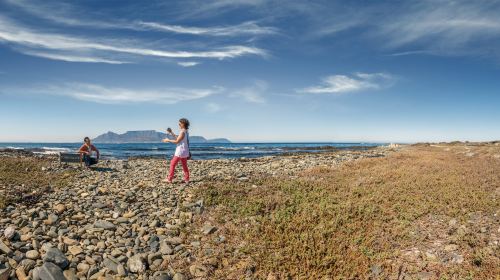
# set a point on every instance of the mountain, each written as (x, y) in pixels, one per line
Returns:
(148, 136)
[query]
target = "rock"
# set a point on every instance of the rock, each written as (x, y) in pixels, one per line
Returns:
(50, 271)
(55, 256)
(32, 254)
(104, 224)
(9, 233)
(136, 264)
(70, 274)
(4, 248)
(83, 267)
(121, 270)
(165, 248)
(20, 273)
(28, 265)
(52, 219)
(208, 229)
(162, 276)
(4, 273)
(60, 208)
(111, 264)
(75, 250)
(179, 276)
(69, 241)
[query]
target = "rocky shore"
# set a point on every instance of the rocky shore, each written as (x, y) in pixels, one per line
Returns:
(121, 221)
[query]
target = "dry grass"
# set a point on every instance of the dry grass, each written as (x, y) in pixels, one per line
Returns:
(22, 178)
(360, 221)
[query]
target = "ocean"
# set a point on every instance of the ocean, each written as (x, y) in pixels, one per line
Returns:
(198, 150)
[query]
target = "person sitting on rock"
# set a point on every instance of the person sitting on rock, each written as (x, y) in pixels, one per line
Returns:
(86, 151)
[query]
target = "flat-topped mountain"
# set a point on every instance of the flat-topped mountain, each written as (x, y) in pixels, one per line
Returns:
(148, 136)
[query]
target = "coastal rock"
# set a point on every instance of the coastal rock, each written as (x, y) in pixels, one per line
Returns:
(4, 248)
(104, 225)
(4, 273)
(179, 276)
(55, 256)
(50, 271)
(32, 254)
(136, 264)
(9, 233)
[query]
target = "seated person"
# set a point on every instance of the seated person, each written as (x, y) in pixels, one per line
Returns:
(86, 151)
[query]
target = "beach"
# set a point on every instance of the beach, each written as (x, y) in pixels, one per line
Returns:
(389, 212)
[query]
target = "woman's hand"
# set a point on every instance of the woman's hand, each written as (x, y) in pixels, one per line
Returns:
(166, 140)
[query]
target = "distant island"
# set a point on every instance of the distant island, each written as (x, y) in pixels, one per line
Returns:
(148, 136)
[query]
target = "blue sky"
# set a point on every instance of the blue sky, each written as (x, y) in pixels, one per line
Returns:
(391, 71)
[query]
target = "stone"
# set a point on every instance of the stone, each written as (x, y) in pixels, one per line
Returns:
(165, 248)
(121, 270)
(70, 274)
(111, 264)
(104, 225)
(50, 271)
(9, 233)
(162, 276)
(52, 219)
(179, 276)
(4, 273)
(4, 248)
(32, 254)
(208, 229)
(75, 250)
(21, 275)
(60, 208)
(69, 241)
(55, 256)
(28, 265)
(83, 267)
(136, 264)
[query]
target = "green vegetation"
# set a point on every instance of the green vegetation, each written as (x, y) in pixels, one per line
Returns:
(23, 178)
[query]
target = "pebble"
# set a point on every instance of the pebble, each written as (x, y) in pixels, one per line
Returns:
(55, 256)
(32, 254)
(9, 233)
(49, 271)
(136, 264)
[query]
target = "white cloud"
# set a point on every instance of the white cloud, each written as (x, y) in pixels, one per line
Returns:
(29, 41)
(66, 14)
(246, 28)
(72, 58)
(253, 94)
(187, 63)
(115, 95)
(213, 107)
(358, 82)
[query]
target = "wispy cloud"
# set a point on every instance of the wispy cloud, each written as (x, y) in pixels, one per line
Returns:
(246, 28)
(29, 41)
(72, 58)
(67, 15)
(253, 94)
(337, 84)
(187, 63)
(115, 95)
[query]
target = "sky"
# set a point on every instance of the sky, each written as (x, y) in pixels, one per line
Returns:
(251, 71)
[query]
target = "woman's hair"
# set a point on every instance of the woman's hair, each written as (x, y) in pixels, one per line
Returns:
(85, 139)
(185, 122)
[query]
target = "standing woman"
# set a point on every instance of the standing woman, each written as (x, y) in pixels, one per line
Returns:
(181, 151)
